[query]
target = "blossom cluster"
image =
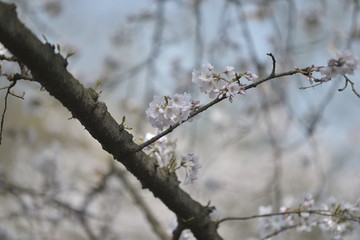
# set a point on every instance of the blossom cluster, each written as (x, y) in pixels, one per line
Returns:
(345, 63)
(167, 110)
(164, 151)
(336, 220)
(223, 84)
(336, 225)
(190, 162)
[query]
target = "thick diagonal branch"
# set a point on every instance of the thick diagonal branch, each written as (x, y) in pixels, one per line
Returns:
(49, 69)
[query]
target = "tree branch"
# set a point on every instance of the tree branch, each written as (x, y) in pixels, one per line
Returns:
(49, 69)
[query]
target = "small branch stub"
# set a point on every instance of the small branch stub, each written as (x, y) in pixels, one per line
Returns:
(274, 64)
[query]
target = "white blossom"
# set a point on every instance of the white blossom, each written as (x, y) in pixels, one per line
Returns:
(335, 227)
(166, 111)
(204, 78)
(187, 235)
(276, 223)
(183, 103)
(192, 166)
(250, 76)
(345, 63)
(336, 219)
(3, 50)
(309, 201)
(229, 72)
(230, 90)
(224, 84)
(163, 150)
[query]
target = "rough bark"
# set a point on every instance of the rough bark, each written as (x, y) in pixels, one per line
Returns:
(49, 69)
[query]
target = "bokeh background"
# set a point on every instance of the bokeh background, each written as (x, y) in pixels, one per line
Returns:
(268, 147)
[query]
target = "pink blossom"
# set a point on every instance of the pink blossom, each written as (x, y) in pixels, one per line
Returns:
(346, 63)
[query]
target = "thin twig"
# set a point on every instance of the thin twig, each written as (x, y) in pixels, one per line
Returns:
(5, 108)
(312, 86)
(347, 80)
(18, 76)
(317, 212)
(18, 96)
(274, 63)
(345, 86)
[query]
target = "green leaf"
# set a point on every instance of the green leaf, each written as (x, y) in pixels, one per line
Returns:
(123, 120)
(172, 165)
(70, 54)
(97, 84)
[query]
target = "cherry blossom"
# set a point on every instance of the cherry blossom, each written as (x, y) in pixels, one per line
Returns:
(229, 72)
(187, 235)
(345, 63)
(270, 225)
(204, 78)
(166, 111)
(191, 164)
(335, 227)
(250, 76)
(230, 90)
(3, 50)
(224, 84)
(336, 220)
(164, 151)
